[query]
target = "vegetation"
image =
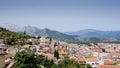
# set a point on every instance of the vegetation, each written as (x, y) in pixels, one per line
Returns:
(103, 50)
(68, 63)
(57, 35)
(25, 60)
(88, 66)
(56, 54)
(13, 38)
(30, 60)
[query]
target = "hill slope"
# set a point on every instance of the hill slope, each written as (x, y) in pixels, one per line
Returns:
(58, 35)
(13, 38)
(102, 35)
(88, 35)
(40, 32)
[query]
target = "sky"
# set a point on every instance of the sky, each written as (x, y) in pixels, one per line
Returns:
(62, 15)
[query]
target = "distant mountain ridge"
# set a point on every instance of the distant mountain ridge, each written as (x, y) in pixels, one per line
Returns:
(40, 32)
(58, 35)
(103, 35)
(88, 35)
(19, 28)
(95, 33)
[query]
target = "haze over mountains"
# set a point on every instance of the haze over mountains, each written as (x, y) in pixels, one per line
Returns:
(88, 35)
(95, 33)
(39, 32)
(27, 28)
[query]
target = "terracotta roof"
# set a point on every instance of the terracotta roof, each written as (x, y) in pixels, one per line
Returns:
(82, 60)
(108, 62)
(9, 55)
(108, 66)
(92, 58)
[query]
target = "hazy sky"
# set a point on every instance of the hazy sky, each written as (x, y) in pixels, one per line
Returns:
(62, 15)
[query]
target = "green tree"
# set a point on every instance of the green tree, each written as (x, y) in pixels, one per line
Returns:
(10, 41)
(30, 60)
(89, 66)
(103, 50)
(68, 63)
(24, 32)
(38, 37)
(55, 66)
(40, 59)
(25, 60)
(48, 63)
(56, 54)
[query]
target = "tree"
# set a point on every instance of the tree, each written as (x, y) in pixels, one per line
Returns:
(50, 39)
(10, 41)
(55, 45)
(103, 50)
(30, 43)
(68, 63)
(56, 54)
(24, 32)
(40, 59)
(25, 60)
(48, 63)
(55, 66)
(30, 60)
(89, 66)
(38, 37)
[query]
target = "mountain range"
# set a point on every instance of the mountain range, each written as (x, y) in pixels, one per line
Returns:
(105, 36)
(16, 28)
(28, 29)
(96, 33)
(87, 35)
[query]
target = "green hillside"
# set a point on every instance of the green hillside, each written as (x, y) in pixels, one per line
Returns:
(13, 38)
(59, 36)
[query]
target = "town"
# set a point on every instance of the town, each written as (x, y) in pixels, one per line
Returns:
(59, 33)
(99, 55)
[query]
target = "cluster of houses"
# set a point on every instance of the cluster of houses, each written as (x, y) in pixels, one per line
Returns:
(100, 55)
(5, 57)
